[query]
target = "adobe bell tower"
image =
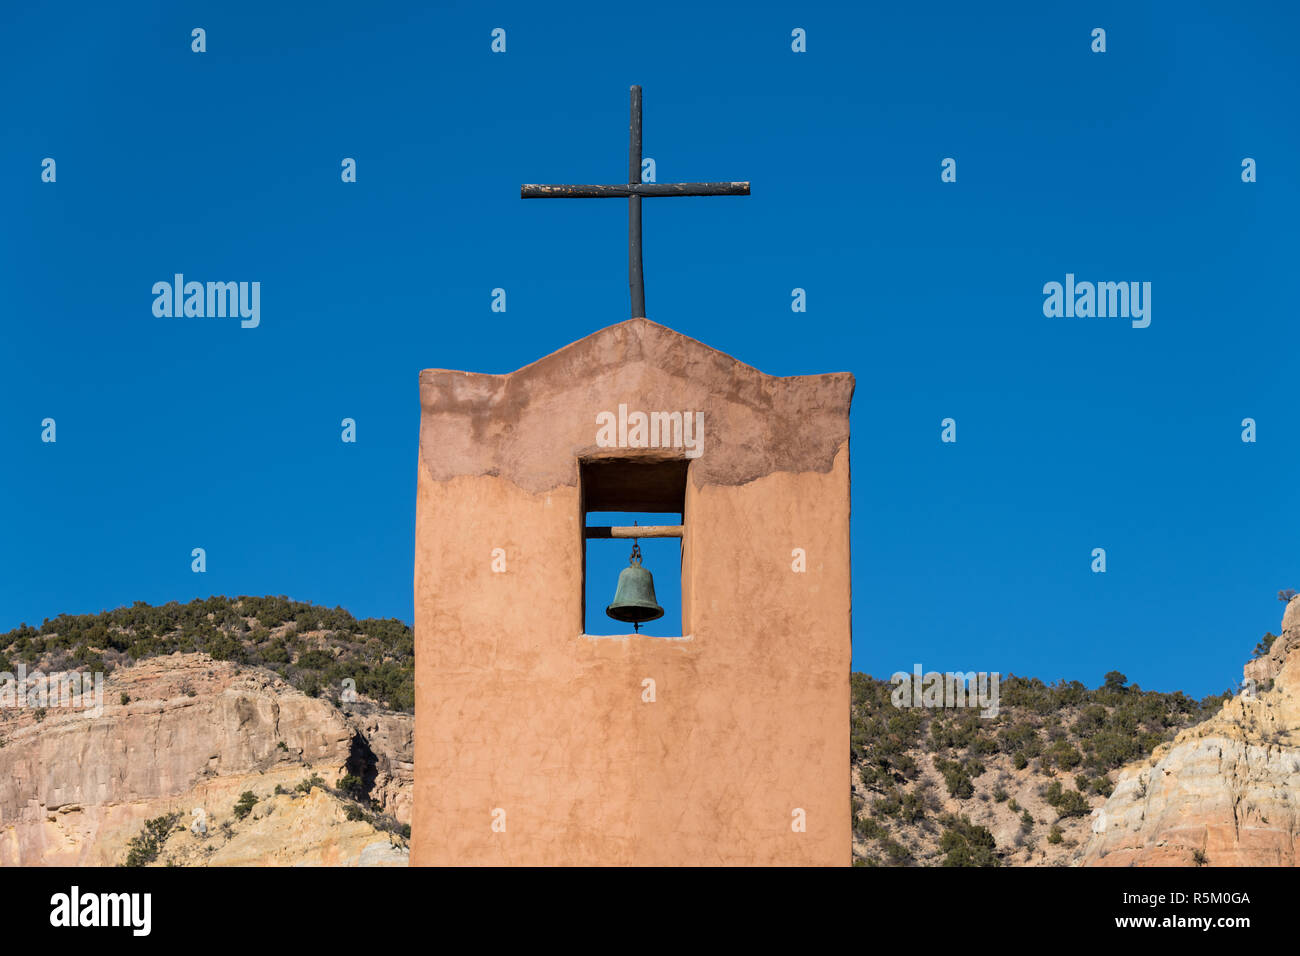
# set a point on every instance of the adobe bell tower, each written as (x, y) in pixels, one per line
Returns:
(726, 743)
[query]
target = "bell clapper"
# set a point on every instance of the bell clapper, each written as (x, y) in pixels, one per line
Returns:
(635, 561)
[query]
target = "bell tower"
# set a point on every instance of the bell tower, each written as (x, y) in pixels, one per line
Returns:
(726, 743)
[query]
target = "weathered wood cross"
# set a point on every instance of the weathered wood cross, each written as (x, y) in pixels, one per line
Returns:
(634, 190)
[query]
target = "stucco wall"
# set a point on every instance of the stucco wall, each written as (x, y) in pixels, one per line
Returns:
(517, 710)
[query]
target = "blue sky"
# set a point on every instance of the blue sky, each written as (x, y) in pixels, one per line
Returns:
(1072, 433)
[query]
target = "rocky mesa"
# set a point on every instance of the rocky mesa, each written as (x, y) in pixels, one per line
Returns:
(227, 764)
(1225, 792)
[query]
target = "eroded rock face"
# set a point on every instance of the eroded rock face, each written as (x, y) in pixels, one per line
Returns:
(291, 830)
(390, 737)
(1266, 668)
(194, 735)
(1225, 792)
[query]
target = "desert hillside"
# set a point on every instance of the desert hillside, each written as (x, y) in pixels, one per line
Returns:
(939, 787)
(246, 730)
(276, 753)
(312, 648)
(1066, 775)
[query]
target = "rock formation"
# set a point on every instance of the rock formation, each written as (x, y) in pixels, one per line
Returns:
(1264, 669)
(1225, 792)
(185, 734)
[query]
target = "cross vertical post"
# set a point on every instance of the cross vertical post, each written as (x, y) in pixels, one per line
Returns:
(635, 276)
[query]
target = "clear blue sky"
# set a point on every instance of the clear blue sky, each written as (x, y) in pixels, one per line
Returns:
(1072, 433)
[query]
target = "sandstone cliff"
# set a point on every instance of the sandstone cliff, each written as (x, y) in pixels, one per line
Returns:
(1225, 792)
(193, 735)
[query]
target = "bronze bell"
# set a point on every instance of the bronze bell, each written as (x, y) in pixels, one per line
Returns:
(634, 600)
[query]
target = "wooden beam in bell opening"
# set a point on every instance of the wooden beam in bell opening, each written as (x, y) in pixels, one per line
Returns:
(635, 531)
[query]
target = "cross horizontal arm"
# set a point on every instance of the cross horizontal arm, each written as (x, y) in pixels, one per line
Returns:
(533, 191)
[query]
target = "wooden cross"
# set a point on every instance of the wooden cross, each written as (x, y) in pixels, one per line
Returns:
(634, 190)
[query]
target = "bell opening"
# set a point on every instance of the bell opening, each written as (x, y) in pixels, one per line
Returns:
(619, 593)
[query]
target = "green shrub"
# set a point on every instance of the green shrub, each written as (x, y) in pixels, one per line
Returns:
(957, 778)
(351, 785)
(868, 829)
(1073, 804)
(897, 853)
(966, 844)
(144, 848)
(1064, 754)
(247, 800)
(1068, 803)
